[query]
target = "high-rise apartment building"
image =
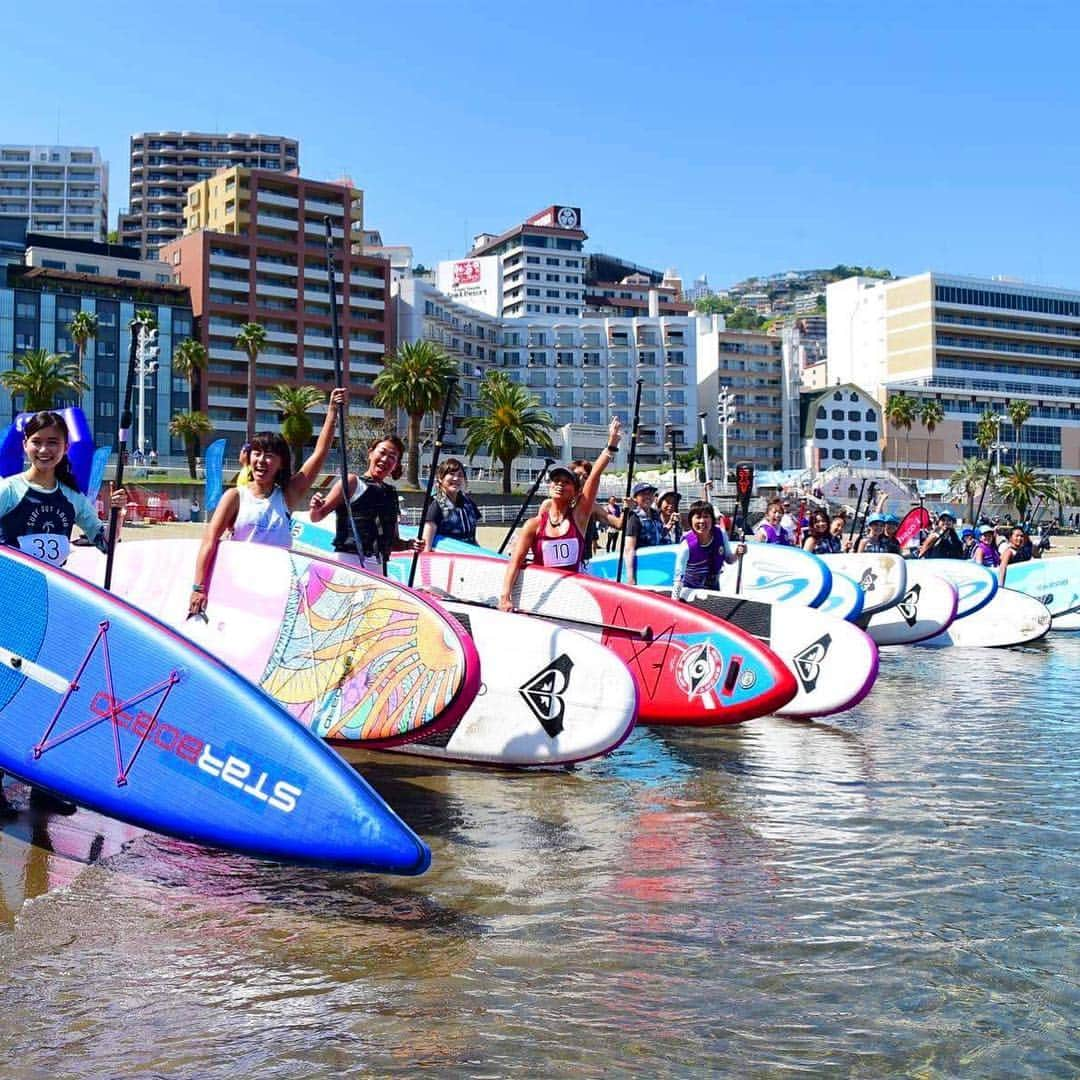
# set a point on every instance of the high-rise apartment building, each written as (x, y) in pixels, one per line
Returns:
(750, 365)
(974, 345)
(164, 164)
(543, 267)
(254, 250)
(58, 189)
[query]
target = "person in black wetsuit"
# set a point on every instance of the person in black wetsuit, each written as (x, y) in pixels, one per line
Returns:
(943, 543)
(452, 512)
(373, 504)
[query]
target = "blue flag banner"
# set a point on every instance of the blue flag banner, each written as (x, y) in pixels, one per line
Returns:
(80, 445)
(97, 471)
(215, 462)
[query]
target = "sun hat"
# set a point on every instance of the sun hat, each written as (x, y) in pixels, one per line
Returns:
(642, 487)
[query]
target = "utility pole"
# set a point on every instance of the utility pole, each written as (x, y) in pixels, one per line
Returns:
(147, 354)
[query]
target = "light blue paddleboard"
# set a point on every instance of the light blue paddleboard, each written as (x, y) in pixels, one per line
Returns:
(1054, 580)
(771, 572)
(109, 708)
(318, 537)
(845, 599)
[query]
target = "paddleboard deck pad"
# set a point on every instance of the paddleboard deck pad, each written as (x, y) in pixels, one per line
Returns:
(349, 654)
(689, 668)
(106, 707)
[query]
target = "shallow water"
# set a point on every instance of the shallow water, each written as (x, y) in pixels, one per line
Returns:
(890, 893)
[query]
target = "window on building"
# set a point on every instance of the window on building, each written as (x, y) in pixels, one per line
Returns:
(854, 414)
(870, 416)
(85, 268)
(134, 274)
(838, 414)
(838, 396)
(821, 413)
(855, 455)
(871, 436)
(855, 436)
(837, 454)
(821, 433)
(871, 455)
(54, 264)
(838, 434)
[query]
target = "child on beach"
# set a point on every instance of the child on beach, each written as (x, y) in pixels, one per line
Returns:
(258, 511)
(38, 510)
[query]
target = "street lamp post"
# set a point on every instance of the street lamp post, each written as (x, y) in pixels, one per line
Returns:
(725, 402)
(147, 352)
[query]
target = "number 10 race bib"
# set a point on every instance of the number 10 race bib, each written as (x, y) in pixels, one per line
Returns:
(48, 547)
(560, 551)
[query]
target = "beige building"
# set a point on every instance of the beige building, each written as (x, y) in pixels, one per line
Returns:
(975, 346)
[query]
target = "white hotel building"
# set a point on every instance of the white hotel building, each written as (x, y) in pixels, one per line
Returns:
(58, 189)
(583, 370)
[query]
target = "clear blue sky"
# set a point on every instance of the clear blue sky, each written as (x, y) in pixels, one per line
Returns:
(710, 137)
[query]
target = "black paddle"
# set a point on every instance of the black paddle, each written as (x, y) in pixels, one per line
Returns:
(631, 459)
(858, 507)
(343, 429)
(436, 450)
(548, 462)
(121, 451)
(744, 486)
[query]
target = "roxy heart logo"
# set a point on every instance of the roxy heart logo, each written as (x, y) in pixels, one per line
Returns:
(867, 581)
(808, 662)
(466, 272)
(543, 693)
(909, 606)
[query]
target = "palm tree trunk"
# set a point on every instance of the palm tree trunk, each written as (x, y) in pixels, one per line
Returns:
(413, 466)
(250, 428)
(506, 485)
(191, 446)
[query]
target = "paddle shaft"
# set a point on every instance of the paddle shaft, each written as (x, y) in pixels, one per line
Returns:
(705, 449)
(343, 420)
(645, 632)
(436, 450)
(631, 459)
(121, 450)
(744, 473)
(858, 507)
(548, 462)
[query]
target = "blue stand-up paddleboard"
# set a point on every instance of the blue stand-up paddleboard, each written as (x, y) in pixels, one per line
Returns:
(1055, 581)
(105, 706)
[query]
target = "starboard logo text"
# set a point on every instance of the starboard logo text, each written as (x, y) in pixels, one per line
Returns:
(699, 669)
(227, 768)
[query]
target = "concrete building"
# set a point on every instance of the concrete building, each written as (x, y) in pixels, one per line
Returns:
(974, 345)
(543, 266)
(399, 256)
(840, 426)
(582, 370)
(633, 295)
(750, 365)
(89, 257)
(57, 189)
(164, 164)
(254, 251)
(37, 305)
(803, 365)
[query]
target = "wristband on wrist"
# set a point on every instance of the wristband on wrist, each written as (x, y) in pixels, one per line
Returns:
(198, 588)
(611, 449)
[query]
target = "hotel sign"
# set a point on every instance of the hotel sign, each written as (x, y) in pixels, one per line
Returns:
(474, 282)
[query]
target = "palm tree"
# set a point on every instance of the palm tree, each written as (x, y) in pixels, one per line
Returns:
(1019, 413)
(83, 327)
(191, 427)
(967, 482)
(147, 317)
(415, 380)
(189, 360)
(986, 431)
(931, 413)
(1021, 485)
(509, 419)
(1066, 493)
(900, 411)
(294, 403)
(251, 340)
(41, 377)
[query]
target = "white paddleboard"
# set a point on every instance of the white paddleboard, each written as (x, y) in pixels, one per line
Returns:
(882, 577)
(1011, 618)
(975, 584)
(548, 695)
(1066, 622)
(928, 607)
(834, 663)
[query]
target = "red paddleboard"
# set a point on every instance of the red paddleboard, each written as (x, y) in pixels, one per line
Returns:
(690, 668)
(913, 521)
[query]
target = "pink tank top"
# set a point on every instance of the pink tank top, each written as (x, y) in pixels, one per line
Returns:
(564, 552)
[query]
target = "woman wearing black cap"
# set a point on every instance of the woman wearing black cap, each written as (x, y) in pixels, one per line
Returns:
(556, 536)
(943, 543)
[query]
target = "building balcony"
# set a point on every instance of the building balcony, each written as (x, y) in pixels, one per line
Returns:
(232, 261)
(272, 198)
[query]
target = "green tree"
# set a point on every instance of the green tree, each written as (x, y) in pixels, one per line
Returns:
(415, 380)
(251, 340)
(986, 431)
(967, 482)
(744, 318)
(931, 413)
(1021, 485)
(508, 420)
(901, 411)
(191, 427)
(1019, 413)
(713, 305)
(294, 403)
(1066, 492)
(147, 317)
(42, 378)
(189, 360)
(83, 327)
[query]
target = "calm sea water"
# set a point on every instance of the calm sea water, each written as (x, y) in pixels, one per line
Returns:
(893, 893)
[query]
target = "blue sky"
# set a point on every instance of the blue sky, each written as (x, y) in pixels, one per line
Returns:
(713, 138)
